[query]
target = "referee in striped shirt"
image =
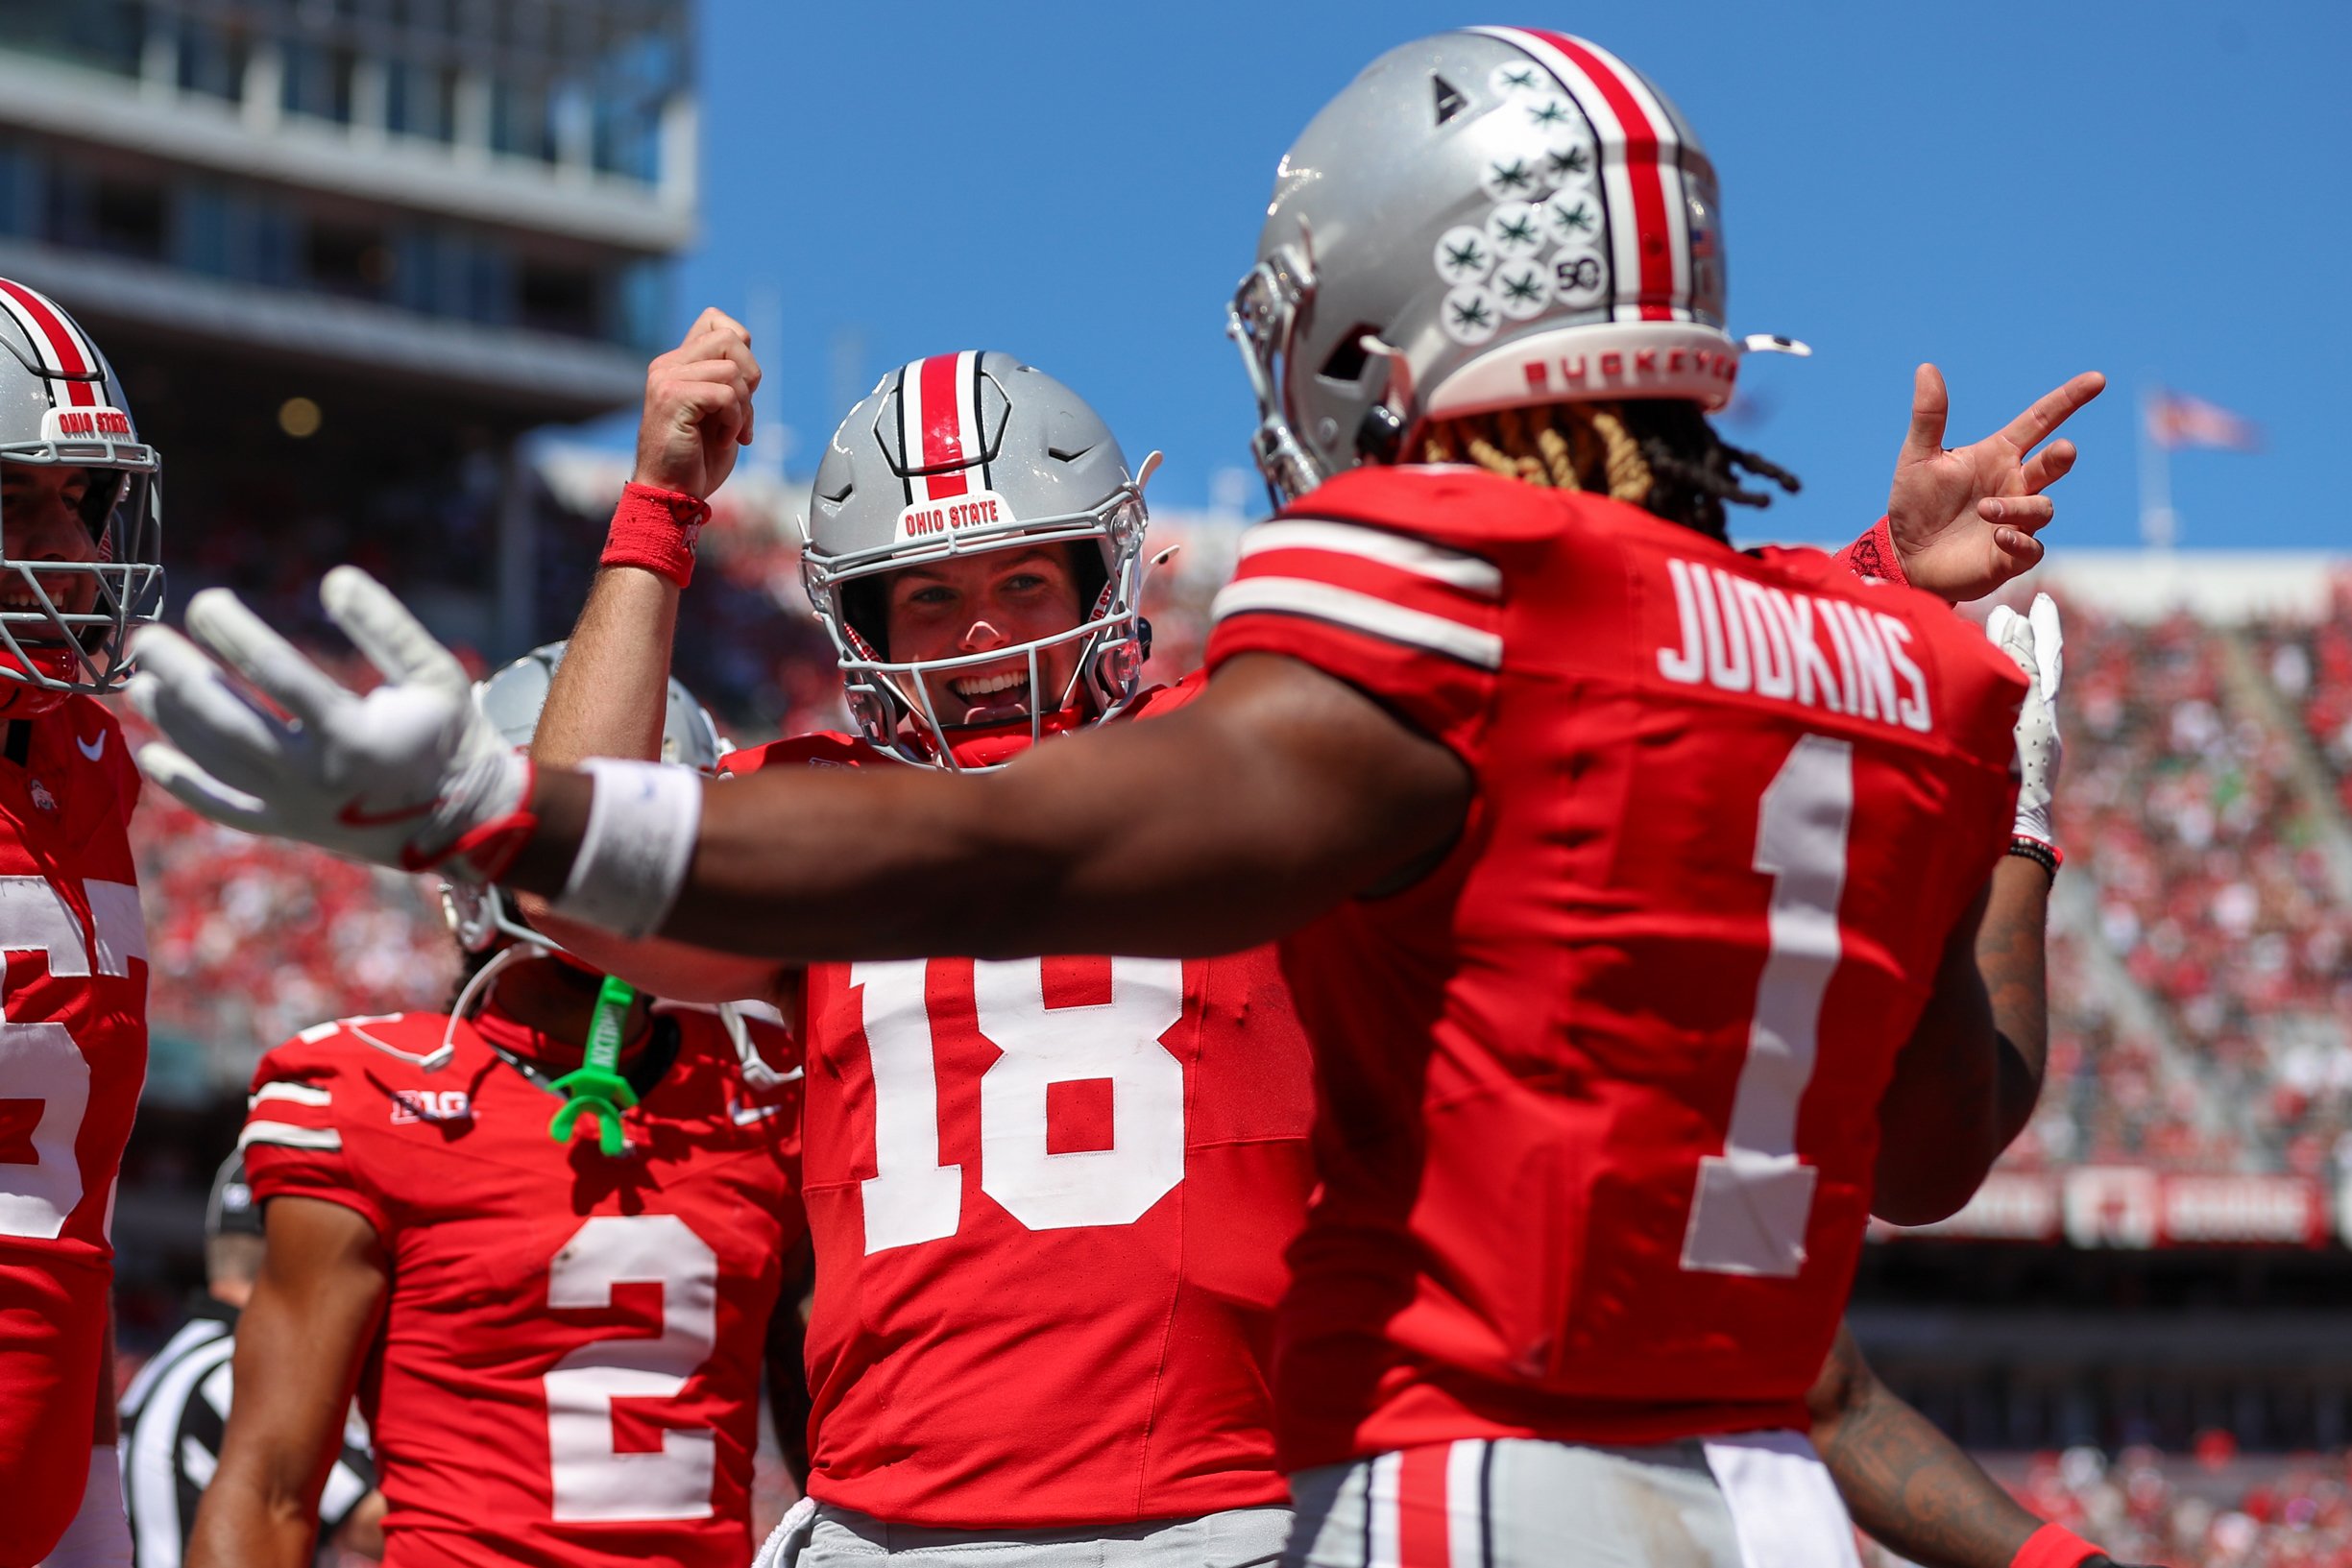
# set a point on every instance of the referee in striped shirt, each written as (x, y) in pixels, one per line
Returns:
(175, 1410)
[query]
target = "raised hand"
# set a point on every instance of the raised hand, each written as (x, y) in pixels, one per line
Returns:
(411, 774)
(697, 408)
(1964, 518)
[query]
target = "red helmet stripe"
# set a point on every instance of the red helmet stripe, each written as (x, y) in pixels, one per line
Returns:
(1656, 253)
(944, 442)
(49, 330)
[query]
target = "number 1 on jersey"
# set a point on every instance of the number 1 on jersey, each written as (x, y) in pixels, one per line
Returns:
(912, 1197)
(1754, 1200)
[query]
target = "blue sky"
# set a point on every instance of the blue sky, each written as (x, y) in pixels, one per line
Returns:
(2157, 191)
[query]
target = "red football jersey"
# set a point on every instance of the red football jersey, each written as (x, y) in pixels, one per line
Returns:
(73, 1053)
(568, 1366)
(1601, 1090)
(1049, 1202)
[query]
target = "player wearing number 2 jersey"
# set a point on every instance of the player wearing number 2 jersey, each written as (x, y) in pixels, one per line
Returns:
(556, 1345)
(1049, 1198)
(78, 566)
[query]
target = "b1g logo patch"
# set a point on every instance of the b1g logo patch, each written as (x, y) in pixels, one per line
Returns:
(962, 513)
(430, 1105)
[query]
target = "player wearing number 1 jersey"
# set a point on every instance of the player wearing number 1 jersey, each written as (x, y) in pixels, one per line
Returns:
(557, 1344)
(78, 566)
(1049, 1197)
(1628, 885)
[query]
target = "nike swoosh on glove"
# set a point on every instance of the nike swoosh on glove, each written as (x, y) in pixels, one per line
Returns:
(410, 775)
(2036, 642)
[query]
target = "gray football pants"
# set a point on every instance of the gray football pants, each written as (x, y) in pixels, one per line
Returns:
(1519, 1504)
(830, 1537)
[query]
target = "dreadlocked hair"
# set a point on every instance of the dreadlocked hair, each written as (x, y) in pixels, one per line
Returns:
(1659, 454)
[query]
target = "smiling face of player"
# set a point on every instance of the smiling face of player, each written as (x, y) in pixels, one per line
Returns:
(42, 518)
(972, 604)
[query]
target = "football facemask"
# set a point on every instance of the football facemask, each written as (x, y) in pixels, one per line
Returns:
(65, 624)
(953, 456)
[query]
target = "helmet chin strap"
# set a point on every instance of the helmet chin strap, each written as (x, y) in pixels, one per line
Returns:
(747, 1059)
(459, 1009)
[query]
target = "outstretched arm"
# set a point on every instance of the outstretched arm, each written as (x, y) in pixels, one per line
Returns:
(610, 692)
(1234, 819)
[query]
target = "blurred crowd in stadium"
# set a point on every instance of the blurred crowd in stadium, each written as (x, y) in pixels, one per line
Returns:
(2210, 1509)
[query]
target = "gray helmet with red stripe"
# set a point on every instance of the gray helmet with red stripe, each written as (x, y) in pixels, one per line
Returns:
(1484, 219)
(61, 406)
(954, 455)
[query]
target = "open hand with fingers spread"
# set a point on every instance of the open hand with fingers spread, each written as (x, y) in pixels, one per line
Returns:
(411, 774)
(1964, 518)
(697, 408)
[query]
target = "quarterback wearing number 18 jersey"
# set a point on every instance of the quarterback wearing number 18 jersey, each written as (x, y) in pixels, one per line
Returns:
(1049, 1201)
(1604, 1085)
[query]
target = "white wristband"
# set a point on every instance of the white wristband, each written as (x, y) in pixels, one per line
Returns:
(99, 1536)
(642, 819)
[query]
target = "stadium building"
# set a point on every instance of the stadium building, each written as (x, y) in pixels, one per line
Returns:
(342, 252)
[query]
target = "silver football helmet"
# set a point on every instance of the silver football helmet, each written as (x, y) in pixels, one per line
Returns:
(1484, 219)
(954, 455)
(61, 406)
(511, 697)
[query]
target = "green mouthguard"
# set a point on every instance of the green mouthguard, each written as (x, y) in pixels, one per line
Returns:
(597, 1086)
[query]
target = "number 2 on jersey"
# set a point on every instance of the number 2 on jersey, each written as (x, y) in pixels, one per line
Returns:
(1754, 1200)
(912, 1197)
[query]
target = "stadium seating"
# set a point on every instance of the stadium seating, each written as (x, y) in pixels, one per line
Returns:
(2210, 1509)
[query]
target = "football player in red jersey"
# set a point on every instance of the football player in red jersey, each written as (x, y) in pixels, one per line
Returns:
(556, 1343)
(1632, 883)
(79, 559)
(1049, 1199)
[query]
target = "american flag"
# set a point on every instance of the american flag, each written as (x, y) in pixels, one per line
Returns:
(2175, 420)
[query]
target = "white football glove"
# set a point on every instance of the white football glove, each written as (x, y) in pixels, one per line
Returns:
(411, 774)
(2035, 642)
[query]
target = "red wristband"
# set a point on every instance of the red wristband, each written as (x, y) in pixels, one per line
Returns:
(656, 529)
(2053, 1546)
(1873, 555)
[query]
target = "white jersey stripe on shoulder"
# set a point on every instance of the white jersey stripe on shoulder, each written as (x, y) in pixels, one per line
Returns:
(297, 1094)
(1407, 554)
(286, 1135)
(1384, 1534)
(1362, 612)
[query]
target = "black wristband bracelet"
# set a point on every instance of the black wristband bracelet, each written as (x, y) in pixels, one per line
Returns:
(2039, 852)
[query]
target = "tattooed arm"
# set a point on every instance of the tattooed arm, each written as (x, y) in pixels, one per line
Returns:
(1904, 1481)
(2009, 956)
